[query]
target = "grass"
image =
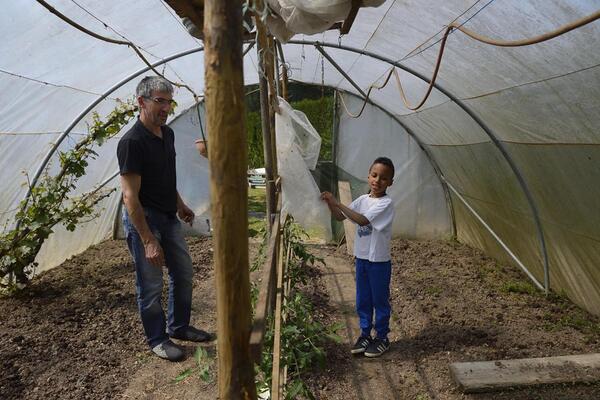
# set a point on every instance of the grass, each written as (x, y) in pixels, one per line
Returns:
(203, 367)
(257, 200)
(257, 203)
(433, 290)
(521, 287)
(256, 226)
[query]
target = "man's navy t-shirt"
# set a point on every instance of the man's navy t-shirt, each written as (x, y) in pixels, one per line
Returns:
(143, 153)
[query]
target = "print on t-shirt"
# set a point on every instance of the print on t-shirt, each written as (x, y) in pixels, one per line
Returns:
(365, 230)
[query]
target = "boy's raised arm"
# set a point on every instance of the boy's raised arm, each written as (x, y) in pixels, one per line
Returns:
(328, 198)
(341, 212)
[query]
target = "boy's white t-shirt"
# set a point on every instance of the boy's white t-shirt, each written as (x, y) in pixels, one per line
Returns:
(372, 242)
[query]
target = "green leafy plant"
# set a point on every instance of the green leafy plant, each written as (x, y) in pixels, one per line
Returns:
(302, 336)
(202, 367)
(50, 202)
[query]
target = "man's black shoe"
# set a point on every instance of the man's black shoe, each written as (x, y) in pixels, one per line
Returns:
(192, 334)
(169, 351)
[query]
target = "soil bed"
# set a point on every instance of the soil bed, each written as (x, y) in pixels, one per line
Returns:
(451, 303)
(75, 333)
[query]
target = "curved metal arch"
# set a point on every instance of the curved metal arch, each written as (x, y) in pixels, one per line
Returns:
(432, 160)
(90, 107)
(101, 98)
(455, 99)
(477, 120)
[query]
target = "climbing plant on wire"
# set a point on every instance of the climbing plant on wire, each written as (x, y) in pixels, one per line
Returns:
(51, 203)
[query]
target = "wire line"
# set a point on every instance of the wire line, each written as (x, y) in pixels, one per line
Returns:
(114, 41)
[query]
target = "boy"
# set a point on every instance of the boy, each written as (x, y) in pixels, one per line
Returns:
(374, 213)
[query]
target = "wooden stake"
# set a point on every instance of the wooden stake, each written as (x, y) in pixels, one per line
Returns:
(273, 102)
(229, 194)
(284, 72)
(349, 227)
(261, 48)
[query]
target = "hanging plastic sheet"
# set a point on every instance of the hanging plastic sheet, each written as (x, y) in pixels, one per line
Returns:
(298, 146)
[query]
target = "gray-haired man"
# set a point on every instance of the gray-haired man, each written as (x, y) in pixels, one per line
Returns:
(146, 156)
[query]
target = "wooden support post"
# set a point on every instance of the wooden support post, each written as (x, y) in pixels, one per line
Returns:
(356, 4)
(276, 383)
(223, 64)
(273, 102)
(284, 72)
(349, 228)
(262, 48)
(266, 294)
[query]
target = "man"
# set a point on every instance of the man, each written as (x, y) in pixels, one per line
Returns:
(146, 156)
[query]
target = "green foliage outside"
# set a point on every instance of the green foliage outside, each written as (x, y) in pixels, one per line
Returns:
(257, 198)
(50, 202)
(316, 104)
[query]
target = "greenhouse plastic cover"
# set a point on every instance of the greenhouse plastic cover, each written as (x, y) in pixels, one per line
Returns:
(298, 146)
(540, 103)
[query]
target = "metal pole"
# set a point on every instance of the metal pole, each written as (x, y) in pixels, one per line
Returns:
(510, 253)
(340, 70)
(102, 97)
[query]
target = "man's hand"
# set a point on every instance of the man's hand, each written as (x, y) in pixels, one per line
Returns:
(186, 214)
(329, 199)
(154, 253)
(201, 147)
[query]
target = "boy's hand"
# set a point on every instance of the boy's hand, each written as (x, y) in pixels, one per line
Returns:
(329, 198)
(186, 214)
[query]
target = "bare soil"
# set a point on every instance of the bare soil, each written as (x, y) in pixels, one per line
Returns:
(75, 333)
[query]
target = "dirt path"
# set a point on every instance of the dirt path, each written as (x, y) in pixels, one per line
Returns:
(75, 333)
(359, 377)
(450, 303)
(158, 379)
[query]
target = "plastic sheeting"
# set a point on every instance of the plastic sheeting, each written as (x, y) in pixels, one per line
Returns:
(542, 102)
(298, 146)
(421, 210)
(308, 16)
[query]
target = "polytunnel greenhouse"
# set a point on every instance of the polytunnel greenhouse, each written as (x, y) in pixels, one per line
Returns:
(489, 110)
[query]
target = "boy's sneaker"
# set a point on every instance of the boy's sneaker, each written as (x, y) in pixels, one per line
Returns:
(361, 345)
(377, 347)
(169, 351)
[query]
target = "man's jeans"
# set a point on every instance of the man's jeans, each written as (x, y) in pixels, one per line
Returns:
(149, 279)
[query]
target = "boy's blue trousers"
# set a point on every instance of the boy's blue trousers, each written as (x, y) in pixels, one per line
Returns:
(373, 294)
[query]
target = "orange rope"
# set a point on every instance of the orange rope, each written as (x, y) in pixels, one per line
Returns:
(494, 42)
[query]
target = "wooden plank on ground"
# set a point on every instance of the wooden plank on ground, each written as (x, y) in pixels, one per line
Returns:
(349, 227)
(486, 376)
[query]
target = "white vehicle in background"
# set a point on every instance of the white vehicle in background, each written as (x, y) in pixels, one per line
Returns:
(257, 178)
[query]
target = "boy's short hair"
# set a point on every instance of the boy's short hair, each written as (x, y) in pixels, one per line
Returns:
(153, 83)
(385, 161)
